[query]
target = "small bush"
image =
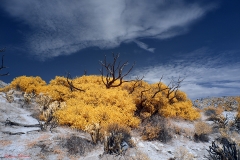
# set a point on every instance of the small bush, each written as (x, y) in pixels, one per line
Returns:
(213, 111)
(77, 145)
(155, 128)
(150, 133)
(201, 137)
(115, 128)
(117, 139)
(202, 130)
(183, 154)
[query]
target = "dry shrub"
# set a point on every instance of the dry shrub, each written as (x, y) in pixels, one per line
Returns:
(183, 154)
(150, 132)
(187, 132)
(116, 128)
(220, 121)
(202, 130)
(177, 130)
(155, 128)
(224, 132)
(77, 145)
(213, 111)
(117, 139)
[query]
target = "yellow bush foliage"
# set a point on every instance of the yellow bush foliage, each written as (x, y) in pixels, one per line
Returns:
(149, 100)
(97, 105)
(25, 84)
(58, 89)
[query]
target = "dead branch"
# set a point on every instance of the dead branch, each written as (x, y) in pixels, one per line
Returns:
(10, 123)
(112, 70)
(71, 86)
(173, 88)
(159, 88)
(227, 151)
(11, 133)
(51, 121)
(138, 83)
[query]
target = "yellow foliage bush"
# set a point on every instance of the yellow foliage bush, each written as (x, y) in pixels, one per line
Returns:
(97, 105)
(152, 98)
(25, 84)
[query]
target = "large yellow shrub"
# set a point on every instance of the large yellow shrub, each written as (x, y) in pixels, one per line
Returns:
(152, 98)
(97, 105)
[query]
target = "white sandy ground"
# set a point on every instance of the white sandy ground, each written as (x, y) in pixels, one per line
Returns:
(45, 145)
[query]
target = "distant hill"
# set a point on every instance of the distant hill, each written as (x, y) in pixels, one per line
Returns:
(2, 84)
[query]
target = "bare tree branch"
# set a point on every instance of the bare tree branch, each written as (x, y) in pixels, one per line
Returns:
(71, 86)
(138, 83)
(159, 88)
(174, 87)
(112, 69)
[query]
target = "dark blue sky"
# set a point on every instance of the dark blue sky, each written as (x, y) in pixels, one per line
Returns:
(198, 40)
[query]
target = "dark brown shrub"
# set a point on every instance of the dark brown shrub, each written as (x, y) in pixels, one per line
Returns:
(77, 145)
(155, 128)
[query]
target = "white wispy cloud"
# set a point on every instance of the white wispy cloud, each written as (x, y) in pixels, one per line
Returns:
(61, 27)
(205, 76)
(144, 46)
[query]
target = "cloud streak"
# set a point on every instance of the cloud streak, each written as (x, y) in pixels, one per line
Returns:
(144, 46)
(208, 76)
(60, 27)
